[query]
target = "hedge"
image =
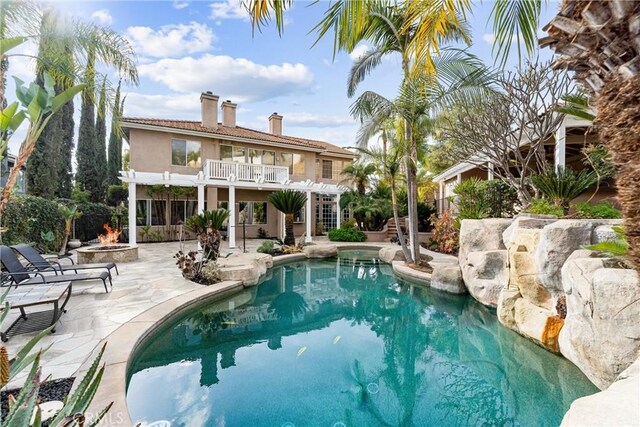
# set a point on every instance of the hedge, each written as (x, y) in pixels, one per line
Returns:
(91, 222)
(28, 218)
(347, 235)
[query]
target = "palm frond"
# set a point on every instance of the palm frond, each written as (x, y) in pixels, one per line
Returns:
(362, 67)
(515, 20)
(260, 12)
(288, 201)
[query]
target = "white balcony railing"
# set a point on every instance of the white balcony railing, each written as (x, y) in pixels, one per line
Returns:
(219, 169)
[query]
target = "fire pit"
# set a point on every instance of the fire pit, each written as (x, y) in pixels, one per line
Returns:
(109, 249)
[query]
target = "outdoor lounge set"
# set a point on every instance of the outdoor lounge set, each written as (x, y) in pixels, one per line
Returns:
(42, 281)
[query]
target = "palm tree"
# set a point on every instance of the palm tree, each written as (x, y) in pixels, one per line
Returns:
(289, 202)
(207, 227)
(358, 174)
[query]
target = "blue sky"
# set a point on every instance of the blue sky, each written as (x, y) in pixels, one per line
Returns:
(186, 47)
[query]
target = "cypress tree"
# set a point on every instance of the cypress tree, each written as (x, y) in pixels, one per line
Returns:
(114, 164)
(42, 166)
(86, 176)
(101, 144)
(67, 130)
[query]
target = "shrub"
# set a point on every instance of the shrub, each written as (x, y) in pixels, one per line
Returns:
(262, 233)
(35, 220)
(269, 247)
(350, 223)
(211, 272)
(543, 207)
(91, 222)
(602, 210)
(563, 185)
(478, 199)
(425, 211)
(445, 232)
(347, 235)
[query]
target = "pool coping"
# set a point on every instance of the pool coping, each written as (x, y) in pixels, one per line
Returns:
(126, 340)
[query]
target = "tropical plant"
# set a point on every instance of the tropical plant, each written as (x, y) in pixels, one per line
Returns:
(70, 214)
(207, 227)
(544, 207)
(562, 185)
(470, 200)
(289, 202)
(38, 105)
(445, 232)
(28, 217)
(23, 405)
(358, 174)
(269, 247)
(370, 211)
(603, 210)
(618, 248)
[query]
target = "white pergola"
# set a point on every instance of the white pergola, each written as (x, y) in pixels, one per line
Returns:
(200, 181)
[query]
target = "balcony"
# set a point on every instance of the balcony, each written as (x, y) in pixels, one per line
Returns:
(219, 169)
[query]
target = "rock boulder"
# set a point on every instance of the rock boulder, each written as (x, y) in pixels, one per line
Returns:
(485, 274)
(448, 278)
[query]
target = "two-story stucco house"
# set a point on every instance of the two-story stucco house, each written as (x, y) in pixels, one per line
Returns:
(232, 167)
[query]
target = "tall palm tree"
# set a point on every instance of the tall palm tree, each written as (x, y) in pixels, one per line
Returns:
(359, 174)
(289, 202)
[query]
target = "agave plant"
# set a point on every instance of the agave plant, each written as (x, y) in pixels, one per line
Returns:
(563, 185)
(207, 227)
(288, 202)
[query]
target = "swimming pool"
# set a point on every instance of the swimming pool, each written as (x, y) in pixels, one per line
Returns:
(343, 342)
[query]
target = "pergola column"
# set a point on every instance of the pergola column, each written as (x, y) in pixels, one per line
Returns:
(441, 198)
(339, 215)
(308, 218)
(561, 147)
(232, 217)
(132, 214)
(490, 172)
(200, 198)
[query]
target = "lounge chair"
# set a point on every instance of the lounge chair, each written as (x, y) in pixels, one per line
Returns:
(40, 263)
(20, 276)
(35, 295)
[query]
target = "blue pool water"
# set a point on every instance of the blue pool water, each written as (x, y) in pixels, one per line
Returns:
(342, 342)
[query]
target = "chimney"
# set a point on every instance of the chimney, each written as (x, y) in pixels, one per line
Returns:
(229, 114)
(209, 110)
(275, 124)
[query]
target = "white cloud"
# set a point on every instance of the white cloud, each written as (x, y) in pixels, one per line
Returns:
(489, 38)
(171, 40)
(238, 79)
(102, 16)
(228, 9)
(302, 119)
(170, 106)
(180, 4)
(358, 51)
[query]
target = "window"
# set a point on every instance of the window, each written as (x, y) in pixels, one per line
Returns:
(252, 212)
(299, 216)
(268, 157)
(158, 212)
(185, 153)
(232, 153)
(182, 209)
(255, 156)
(142, 212)
(285, 159)
(298, 165)
(327, 169)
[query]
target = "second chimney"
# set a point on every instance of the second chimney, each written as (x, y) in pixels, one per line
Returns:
(275, 124)
(209, 110)
(229, 114)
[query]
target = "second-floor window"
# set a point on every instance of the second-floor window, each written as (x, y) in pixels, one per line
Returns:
(232, 153)
(295, 163)
(327, 169)
(185, 153)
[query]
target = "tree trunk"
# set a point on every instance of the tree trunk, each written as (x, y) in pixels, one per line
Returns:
(396, 218)
(289, 238)
(618, 120)
(26, 148)
(412, 195)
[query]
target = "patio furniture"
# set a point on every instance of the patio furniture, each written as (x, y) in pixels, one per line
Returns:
(38, 262)
(24, 296)
(20, 276)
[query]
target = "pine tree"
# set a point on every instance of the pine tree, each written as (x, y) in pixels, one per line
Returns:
(86, 176)
(101, 144)
(114, 164)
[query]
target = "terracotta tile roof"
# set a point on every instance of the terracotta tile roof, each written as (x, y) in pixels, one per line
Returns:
(238, 132)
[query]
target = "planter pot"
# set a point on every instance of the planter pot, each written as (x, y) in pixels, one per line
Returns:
(74, 244)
